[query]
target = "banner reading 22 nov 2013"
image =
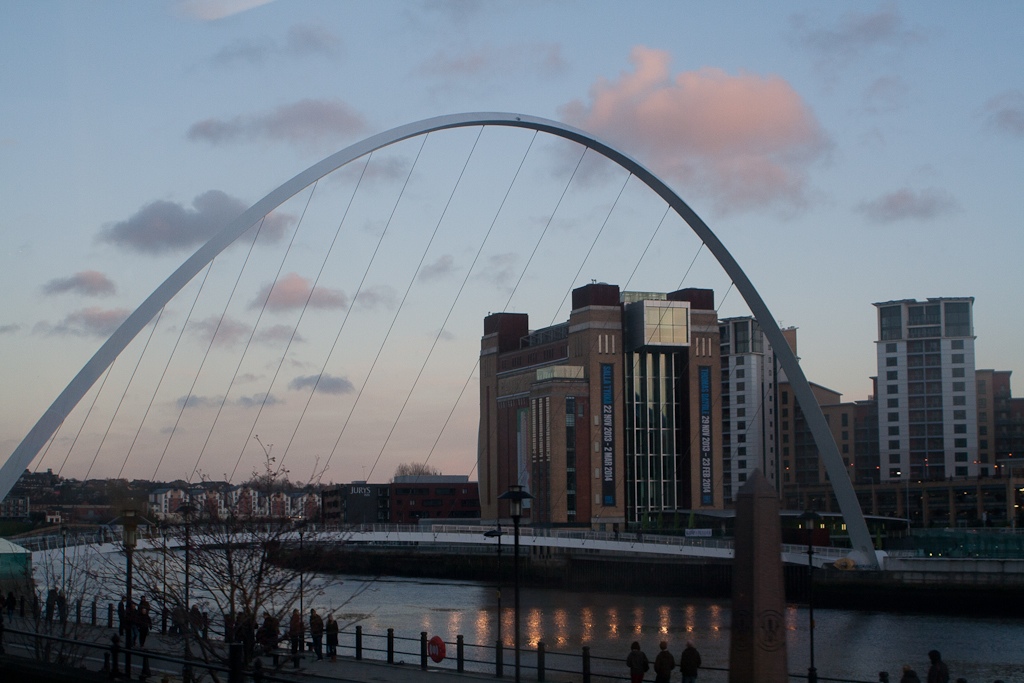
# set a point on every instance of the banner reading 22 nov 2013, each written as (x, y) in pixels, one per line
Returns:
(607, 434)
(707, 496)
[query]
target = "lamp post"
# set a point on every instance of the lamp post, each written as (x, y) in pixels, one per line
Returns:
(64, 559)
(130, 525)
(515, 497)
(497, 533)
(810, 518)
(186, 511)
(302, 584)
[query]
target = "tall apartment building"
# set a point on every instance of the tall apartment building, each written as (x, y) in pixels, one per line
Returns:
(750, 394)
(608, 418)
(927, 392)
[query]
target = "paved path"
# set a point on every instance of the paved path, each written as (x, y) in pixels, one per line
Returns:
(346, 669)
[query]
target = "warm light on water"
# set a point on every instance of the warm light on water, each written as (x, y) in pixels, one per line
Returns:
(848, 645)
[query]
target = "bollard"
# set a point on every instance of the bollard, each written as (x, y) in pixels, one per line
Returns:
(236, 673)
(94, 611)
(146, 672)
(78, 611)
(359, 642)
(423, 650)
(540, 661)
(110, 615)
(586, 664)
(391, 646)
(21, 610)
(498, 657)
(163, 621)
(106, 662)
(460, 653)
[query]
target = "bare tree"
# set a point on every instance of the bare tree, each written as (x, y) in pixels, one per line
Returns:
(416, 469)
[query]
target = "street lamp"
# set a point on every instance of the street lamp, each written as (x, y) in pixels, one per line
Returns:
(130, 525)
(515, 497)
(497, 533)
(810, 518)
(186, 511)
(302, 585)
(64, 559)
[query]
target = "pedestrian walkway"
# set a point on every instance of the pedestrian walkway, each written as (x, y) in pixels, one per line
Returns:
(20, 641)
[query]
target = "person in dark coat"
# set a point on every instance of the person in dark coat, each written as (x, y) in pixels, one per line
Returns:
(663, 664)
(909, 675)
(120, 616)
(295, 631)
(316, 630)
(937, 672)
(51, 603)
(689, 662)
(637, 662)
(332, 638)
(12, 602)
(143, 621)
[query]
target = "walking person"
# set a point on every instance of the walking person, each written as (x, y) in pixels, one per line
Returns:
(689, 662)
(663, 664)
(316, 630)
(938, 672)
(295, 632)
(637, 662)
(144, 621)
(332, 638)
(120, 616)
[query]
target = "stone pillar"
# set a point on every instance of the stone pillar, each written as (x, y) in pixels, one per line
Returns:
(757, 649)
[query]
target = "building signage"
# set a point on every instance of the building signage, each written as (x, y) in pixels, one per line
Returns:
(704, 379)
(607, 434)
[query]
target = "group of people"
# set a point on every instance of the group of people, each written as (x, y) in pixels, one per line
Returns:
(938, 672)
(268, 635)
(664, 663)
(134, 621)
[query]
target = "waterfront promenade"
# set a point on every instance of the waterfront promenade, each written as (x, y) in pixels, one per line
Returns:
(80, 652)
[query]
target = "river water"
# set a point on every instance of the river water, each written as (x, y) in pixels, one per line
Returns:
(849, 645)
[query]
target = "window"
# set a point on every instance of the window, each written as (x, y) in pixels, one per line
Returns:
(892, 375)
(959, 400)
(890, 348)
(845, 420)
(982, 430)
(845, 436)
(957, 344)
(894, 457)
(890, 362)
(958, 386)
(894, 430)
(959, 429)
(960, 457)
(893, 388)
(958, 318)
(960, 443)
(741, 386)
(742, 450)
(958, 358)
(894, 444)
(982, 403)
(846, 448)
(894, 403)
(741, 412)
(890, 322)
(741, 373)
(785, 397)
(982, 443)
(740, 424)
(894, 417)
(981, 386)
(958, 372)
(894, 472)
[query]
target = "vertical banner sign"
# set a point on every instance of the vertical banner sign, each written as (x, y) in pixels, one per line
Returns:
(607, 434)
(704, 378)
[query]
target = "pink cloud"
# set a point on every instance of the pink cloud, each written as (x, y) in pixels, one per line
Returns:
(87, 322)
(746, 141)
(88, 282)
(293, 291)
(907, 204)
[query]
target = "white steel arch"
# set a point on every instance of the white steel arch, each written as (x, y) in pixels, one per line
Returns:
(864, 552)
